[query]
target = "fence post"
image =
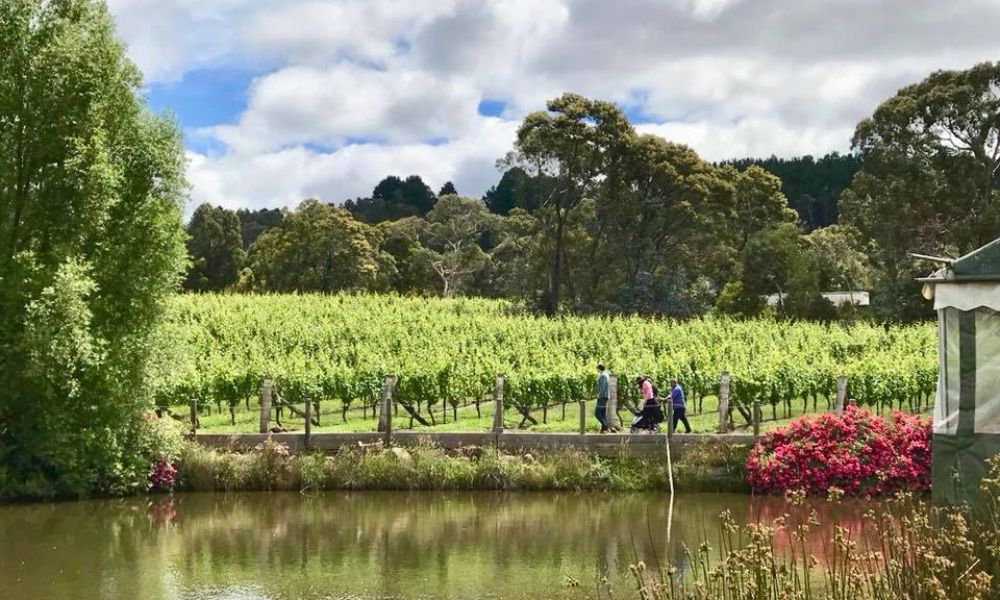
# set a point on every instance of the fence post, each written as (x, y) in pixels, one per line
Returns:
(308, 428)
(724, 402)
(756, 418)
(385, 412)
(265, 406)
(612, 410)
(498, 405)
(194, 415)
(583, 417)
(838, 408)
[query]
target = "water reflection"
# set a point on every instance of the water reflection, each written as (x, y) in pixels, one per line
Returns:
(357, 545)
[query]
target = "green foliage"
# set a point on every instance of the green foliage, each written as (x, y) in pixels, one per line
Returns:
(318, 248)
(269, 466)
(812, 186)
(339, 347)
(394, 198)
(90, 244)
(215, 249)
(930, 155)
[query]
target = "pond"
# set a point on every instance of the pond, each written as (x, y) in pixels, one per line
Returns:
(255, 546)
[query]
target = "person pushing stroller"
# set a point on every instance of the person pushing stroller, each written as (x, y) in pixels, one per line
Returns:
(650, 415)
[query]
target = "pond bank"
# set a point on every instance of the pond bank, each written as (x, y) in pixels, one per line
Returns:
(270, 465)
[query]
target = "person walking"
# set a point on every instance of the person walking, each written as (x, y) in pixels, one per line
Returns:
(678, 406)
(603, 393)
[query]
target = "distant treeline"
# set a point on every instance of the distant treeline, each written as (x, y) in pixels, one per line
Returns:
(591, 216)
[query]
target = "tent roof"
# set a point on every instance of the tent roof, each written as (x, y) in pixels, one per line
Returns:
(967, 282)
(982, 262)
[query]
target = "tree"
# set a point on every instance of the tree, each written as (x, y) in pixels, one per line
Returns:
(255, 222)
(455, 226)
(403, 241)
(658, 208)
(930, 159)
(841, 264)
(319, 248)
(91, 243)
(775, 261)
(516, 189)
(812, 186)
(215, 248)
(448, 189)
(567, 148)
(394, 198)
(759, 203)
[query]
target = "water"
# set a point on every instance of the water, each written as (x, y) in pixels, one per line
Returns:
(255, 546)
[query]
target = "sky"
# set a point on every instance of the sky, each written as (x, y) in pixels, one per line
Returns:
(282, 100)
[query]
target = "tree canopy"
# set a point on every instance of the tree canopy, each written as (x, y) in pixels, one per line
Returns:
(90, 244)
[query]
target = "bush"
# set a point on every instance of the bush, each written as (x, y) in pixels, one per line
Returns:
(856, 452)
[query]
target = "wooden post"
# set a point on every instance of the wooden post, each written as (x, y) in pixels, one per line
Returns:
(265, 406)
(194, 415)
(308, 428)
(756, 418)
(583, 417)
(385, 412)
(724, 402)
(498, 405)
(841, 394)
(612, 409)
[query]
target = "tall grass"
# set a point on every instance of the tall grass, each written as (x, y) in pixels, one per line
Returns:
(907, 551)
(269, 466)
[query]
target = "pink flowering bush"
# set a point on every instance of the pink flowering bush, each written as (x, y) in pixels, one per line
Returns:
(856, 452)
(163, 476)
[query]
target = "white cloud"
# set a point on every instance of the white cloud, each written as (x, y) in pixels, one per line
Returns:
(300, 105)
(285, 177)
(728, 77)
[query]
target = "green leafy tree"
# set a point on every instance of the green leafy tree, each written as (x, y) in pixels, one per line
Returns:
(448, 189)
(455, 226)
(758, 202)
(215, 249)
(90, 244)
(837, 255)
(812, 186)
(255, 222)
(403, 241)
(567, 147)
(394, 198)
(319, 248)
(658, 211)
(930, 158)
(516, 189)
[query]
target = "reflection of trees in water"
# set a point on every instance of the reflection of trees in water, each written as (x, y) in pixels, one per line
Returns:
(379, 543)
(86, 549)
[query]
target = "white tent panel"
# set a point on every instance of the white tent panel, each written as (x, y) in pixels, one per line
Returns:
(949, 378)
(987, 372)
(967, 295)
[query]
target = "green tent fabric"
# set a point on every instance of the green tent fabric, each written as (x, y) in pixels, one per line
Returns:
(967, 409)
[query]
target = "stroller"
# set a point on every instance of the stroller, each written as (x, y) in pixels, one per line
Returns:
(650, 417)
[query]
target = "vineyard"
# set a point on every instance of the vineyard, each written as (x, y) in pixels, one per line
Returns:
(333, 351)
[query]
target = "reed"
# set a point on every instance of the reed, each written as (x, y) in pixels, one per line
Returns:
(908, 551)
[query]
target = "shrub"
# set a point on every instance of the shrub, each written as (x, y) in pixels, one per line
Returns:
(856, 452)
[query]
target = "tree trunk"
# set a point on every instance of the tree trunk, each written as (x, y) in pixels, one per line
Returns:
(555, 272)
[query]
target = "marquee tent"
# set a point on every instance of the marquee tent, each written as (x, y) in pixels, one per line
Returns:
(966, 296)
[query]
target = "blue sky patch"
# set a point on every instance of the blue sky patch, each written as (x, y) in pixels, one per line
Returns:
(491, 108)
(203, 97)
